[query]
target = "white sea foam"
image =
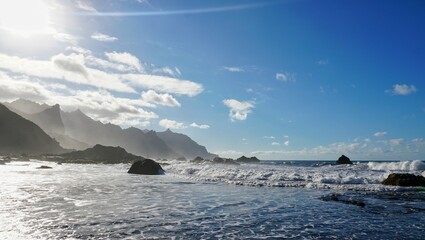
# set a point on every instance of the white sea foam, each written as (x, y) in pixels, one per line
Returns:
(341, 177)
(415, 165)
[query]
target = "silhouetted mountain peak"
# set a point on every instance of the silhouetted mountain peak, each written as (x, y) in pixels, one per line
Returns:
(19, 135)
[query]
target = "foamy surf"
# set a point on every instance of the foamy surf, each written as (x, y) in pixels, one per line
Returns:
(360, 176)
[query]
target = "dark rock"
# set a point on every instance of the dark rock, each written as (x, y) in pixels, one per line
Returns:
(146, 167)
(404, 179)
(244, 159)
(344, 160)
(44, 167)
(198, 159)
(224, 161)
(343, 199)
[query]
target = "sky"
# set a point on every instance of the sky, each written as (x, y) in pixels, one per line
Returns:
(278, 79)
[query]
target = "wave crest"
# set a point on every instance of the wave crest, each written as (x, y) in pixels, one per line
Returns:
(415, 165)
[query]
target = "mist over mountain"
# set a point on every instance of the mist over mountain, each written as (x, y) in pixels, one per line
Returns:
(26, 106)
(47, 118)
(75, 130)
(81, 127)
(19, 135)
(184, 145)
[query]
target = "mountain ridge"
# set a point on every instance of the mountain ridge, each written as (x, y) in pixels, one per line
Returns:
(78, 131)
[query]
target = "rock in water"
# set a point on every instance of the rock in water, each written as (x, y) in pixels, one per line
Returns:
(44, 167)
(344, 160)
(146, 167)
(404, 179)
(244, 159)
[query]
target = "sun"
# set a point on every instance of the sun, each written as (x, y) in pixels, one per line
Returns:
(24, 17)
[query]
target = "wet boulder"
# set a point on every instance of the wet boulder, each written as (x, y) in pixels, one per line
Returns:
(146, 167)
(344, 160)
(244, 159)
(404, 179)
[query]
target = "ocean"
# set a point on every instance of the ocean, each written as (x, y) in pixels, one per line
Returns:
(271, 200)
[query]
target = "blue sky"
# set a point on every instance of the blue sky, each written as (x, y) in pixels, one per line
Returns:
(275, 79)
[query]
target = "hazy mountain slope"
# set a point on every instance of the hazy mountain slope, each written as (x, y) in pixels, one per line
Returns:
(26, 106)
(184, 145)
(81, 127)
(19, 135)
(49, 120)
(75, 130)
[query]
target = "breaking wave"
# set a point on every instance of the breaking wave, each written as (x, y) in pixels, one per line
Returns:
(415, 165)
(360, 176)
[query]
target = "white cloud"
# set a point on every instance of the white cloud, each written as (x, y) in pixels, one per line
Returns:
(395, 142)
(403, 89)
(168, 71)
(285, 77)
(171, 124)
(155, 98)
(238, 110)
(418, 142)
(70, 73)
(72, 63)
(286, 143)
(164, 84)
(72, 68)
(85, 5)
(202, 126)
(285, 136)
(103, 37)
(125, 58)
(380, 134)
(99, 104)
(21, 87)
(233, 69)
(275, 144)
(65, 37)
(269, 137)
(79, 50)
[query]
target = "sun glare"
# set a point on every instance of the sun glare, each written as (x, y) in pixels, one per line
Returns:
(24, 17)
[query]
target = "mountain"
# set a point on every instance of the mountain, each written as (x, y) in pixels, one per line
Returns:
(184, 145)
(49, 119)
(75, 130)
(148, 144)
(19, 135)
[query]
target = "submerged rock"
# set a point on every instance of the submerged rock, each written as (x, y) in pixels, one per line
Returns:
(244, 159)
(343, 199)
(44, 167)
(344, 160)
(146, 167)
(404, 179)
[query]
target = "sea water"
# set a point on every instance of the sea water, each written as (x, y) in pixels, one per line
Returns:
(271, 200)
